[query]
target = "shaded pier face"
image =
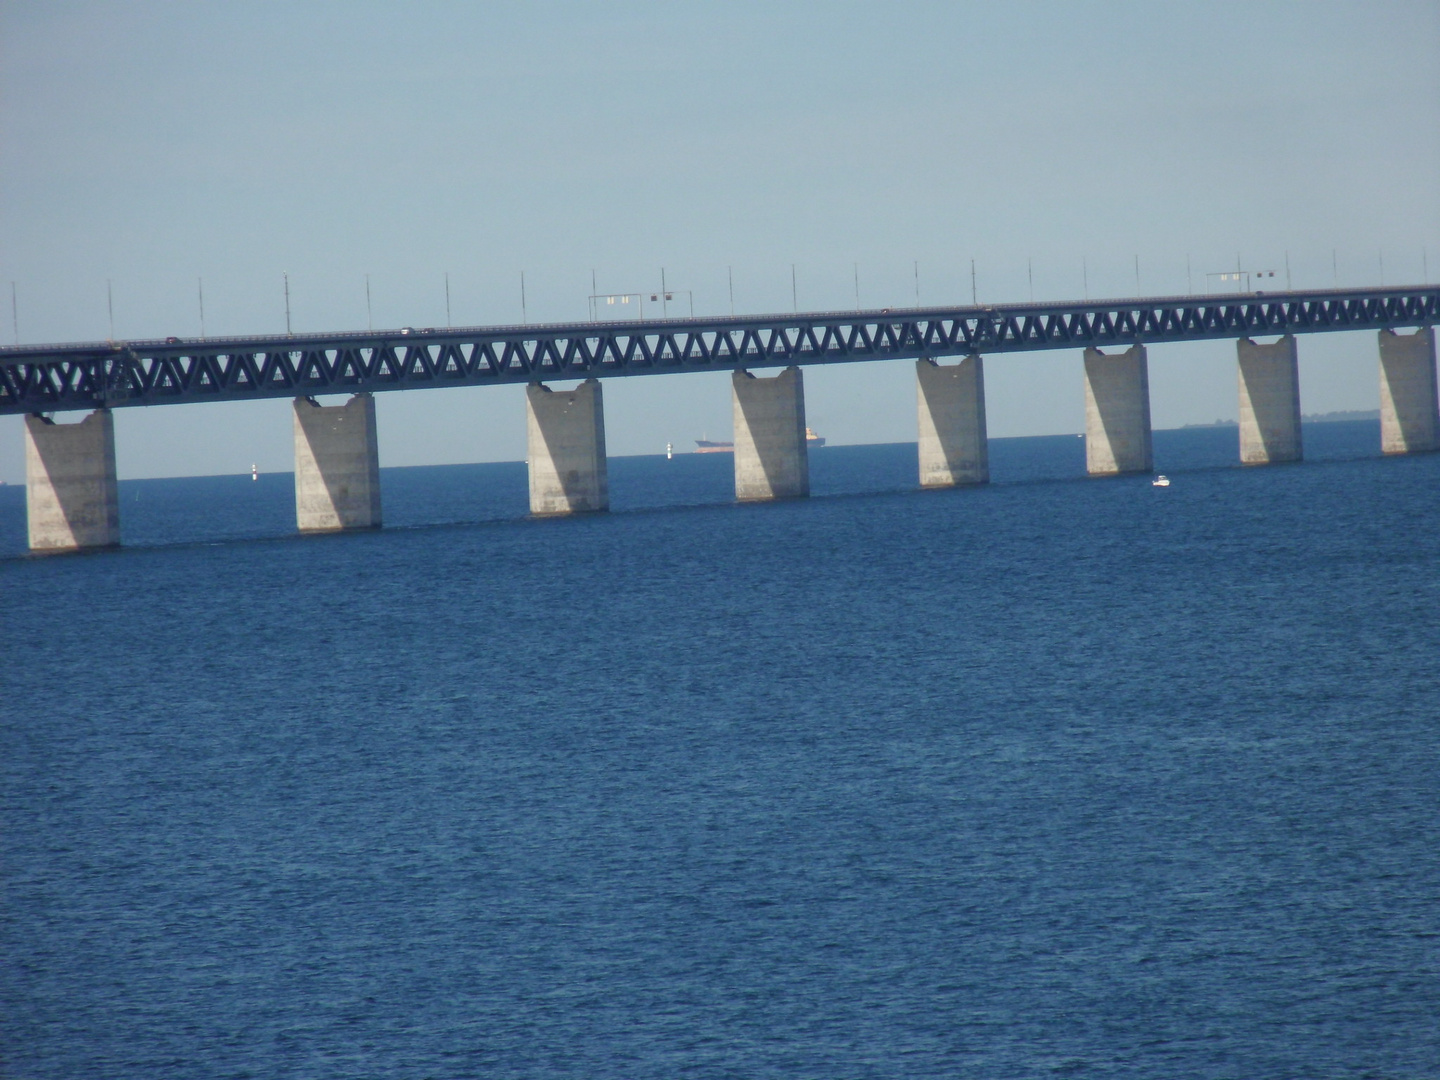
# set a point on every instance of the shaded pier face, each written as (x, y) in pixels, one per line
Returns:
(771, 457)
(953, 447)
(1117, 412)
(1409, 423)
(1269, 402)
(72, 500)
(565, 440)
(337, 465)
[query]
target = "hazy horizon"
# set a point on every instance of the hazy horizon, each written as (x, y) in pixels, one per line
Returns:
(1107, 149)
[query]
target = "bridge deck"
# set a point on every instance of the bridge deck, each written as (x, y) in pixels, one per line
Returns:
(46, 378)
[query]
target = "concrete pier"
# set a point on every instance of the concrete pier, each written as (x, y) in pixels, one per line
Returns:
(71, 498)
(337, 465)
(771, 460)
(566, 441)
(1408, 413)
(1117, 412)
(1269, 402)
(953, 446)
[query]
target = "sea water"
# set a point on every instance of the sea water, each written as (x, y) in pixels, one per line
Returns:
(1056, 776)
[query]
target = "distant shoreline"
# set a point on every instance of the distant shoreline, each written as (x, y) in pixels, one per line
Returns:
(17, 483)
(1307, 418)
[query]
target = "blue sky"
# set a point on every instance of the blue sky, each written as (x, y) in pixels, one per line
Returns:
(153, 144)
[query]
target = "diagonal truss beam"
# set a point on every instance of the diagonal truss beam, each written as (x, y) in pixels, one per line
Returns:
(48, 378)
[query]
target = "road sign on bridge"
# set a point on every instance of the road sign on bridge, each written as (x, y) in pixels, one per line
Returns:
(113, 374)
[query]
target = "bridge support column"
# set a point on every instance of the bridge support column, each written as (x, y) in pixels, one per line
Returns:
(1408, 420)
(953, 446)
(1117, 412)
(71, 497)
(1269, 402)
(337, 465)
(566, 441)
(771, 459)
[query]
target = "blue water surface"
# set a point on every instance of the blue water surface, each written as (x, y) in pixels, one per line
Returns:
(1056, 776)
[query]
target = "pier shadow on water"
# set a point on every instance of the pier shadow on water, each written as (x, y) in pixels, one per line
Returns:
(209, 509)
(1051, 777)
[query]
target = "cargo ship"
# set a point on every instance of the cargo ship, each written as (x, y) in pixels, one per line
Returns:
(705, 446)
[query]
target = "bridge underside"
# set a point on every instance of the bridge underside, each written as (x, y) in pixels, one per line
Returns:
(70, 493)
(38, 379)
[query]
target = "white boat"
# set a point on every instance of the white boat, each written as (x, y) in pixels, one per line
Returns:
(1160, 481)
(708, 446)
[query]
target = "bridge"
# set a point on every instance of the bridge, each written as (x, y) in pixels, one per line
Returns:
(70, 468)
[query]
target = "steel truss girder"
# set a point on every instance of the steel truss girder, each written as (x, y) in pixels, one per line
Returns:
(113, 374)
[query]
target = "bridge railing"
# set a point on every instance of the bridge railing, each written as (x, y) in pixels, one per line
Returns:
(175, 371)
